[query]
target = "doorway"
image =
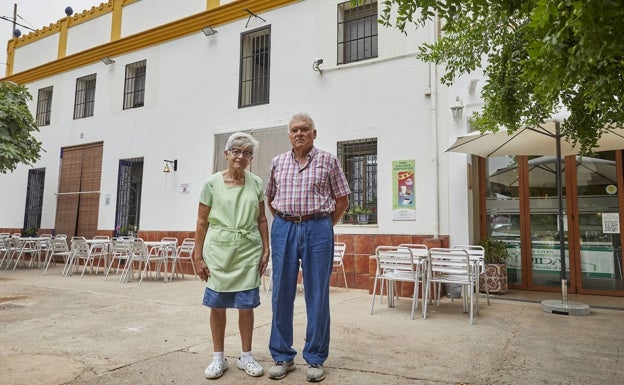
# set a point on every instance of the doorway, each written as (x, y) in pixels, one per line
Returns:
(78, 193)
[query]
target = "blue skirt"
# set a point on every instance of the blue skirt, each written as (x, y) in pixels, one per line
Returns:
(246, 299)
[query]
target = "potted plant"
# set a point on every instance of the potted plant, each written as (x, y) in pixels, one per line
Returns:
(495, 275)
(361, 213)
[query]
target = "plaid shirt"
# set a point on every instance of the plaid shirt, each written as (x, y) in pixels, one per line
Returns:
(308, 190)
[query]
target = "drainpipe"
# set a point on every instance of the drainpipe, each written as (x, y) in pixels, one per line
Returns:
(433, 86)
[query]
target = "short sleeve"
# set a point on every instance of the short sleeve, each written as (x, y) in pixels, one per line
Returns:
(206, 194)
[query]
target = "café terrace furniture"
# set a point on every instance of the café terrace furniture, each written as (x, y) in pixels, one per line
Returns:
(99, 248)
(26, 246)
(119, 253)
(451, 266)
(144, 254)
(339, 252)
(477, 257)
(7, 248)
(79, 250)
(58, 248)
(395, 264)
(184, 252)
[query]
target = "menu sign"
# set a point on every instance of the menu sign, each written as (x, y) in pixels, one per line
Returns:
(403, 190)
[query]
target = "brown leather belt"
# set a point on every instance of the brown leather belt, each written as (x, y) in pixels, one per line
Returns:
(300, 218)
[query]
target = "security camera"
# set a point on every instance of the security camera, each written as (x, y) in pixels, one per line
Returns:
(315, 65)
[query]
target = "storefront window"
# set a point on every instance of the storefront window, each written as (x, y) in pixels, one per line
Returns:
(503, 210)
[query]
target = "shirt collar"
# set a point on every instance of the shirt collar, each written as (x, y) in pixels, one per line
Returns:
(309, 155)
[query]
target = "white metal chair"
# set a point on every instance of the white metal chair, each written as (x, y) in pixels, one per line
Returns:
(477, 256)
(184, 252)
(120, 253)
(23, 247)
(420, 252)
(7, 248)
(394, 264)
(451, 266)
(58, 248)
(79, 250)
(339, 252)
(144, 256)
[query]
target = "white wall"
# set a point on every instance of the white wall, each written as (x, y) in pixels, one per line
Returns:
(144, 15)
(191, 95)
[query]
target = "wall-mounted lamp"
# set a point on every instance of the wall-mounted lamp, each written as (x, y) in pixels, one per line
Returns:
(315, 65)
(107, 60)
(174, 163)
(251, 14)
(457, 108)
(208, 31)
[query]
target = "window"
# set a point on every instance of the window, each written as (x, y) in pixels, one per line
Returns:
(44, 106)
(85, 96)
(254, 67)
(134, 87)
(359, 162)
(357, 31)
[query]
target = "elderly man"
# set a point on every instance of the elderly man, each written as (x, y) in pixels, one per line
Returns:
(307, 194)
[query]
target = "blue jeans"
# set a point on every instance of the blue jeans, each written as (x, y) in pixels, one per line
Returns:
(312, 243)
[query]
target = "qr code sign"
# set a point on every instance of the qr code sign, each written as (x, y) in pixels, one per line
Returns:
(610, 223)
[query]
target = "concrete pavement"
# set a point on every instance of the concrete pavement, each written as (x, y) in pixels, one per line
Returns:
(79, 331)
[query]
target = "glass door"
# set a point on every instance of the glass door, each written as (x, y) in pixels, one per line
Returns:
(502, 206)
(599, 267)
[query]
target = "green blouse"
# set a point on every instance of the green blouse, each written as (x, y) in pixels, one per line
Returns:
(232, 248)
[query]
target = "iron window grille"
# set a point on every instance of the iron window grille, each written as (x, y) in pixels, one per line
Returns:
(44, 106)
(85, 96)
(134, 85)
(129, 187)
(357, 31)
(255, 63)
(34, 201)
(359, 163)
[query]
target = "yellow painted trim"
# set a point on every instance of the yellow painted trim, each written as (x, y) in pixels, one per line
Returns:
(62, 43)
(116, 21)
(174, 30)
(212, 4)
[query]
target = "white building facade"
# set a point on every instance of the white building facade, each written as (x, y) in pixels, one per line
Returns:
(172, 94)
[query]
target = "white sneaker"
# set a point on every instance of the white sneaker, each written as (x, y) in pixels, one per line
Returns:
(250, 366)
(216, 369)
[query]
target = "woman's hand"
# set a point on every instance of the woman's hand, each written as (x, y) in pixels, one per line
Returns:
(202, 269)
(263, 264)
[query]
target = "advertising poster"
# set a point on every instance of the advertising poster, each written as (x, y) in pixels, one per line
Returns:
(403, 188)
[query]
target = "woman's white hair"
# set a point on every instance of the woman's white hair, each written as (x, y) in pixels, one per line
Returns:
(241, 140)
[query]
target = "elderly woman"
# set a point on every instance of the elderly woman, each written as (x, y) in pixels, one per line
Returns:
(232, 230)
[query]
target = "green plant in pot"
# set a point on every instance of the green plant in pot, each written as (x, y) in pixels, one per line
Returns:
(495, 257)
(361, 213)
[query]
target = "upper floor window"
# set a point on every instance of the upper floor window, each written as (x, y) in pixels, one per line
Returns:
(254, 67)
(357, 31)
(44, 106)
(134, 86)
(359, 163)
(85, 96)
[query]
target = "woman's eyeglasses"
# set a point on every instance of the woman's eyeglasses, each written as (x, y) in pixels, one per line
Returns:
(246, 154)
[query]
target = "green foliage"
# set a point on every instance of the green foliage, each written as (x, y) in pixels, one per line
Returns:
(359, 210)
(537, 55)
(495, 251)
(16, 124)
